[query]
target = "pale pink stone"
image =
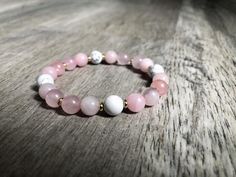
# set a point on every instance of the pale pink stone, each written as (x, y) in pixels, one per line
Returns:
(81, 59)
(161, 86)
(52, 98)
(70, 64)
(123, 59)
(145, 64)
(136, 62)
(161, 76)
(135, 102)
(70, 104)
(90, 105)
(44, 89)
(50, 70)
(59, 66)
(151, 96)
(111, 57)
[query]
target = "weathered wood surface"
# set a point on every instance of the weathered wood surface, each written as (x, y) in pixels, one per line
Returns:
(191, 134)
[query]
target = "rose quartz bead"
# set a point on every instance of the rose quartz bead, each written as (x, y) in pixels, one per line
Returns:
(52, 98)
(70, 104)
(135, 102)
(50, 70)
(81, 59)
(162, 77)
(145, 64)
(161, 87)
(70, 64)
(90, 105)
(111, 57)
(44, 89)
(59, 66)
(123, 59)
(151, 96)
(136, 62)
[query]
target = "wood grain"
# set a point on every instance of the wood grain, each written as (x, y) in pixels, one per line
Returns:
(193, 133)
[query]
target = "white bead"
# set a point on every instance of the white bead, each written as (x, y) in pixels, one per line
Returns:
(155, 69)
(113, 105)
(96, 57)
(44, 79)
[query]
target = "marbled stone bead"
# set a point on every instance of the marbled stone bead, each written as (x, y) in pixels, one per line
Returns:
(151, 96)
(161, 86)
(45, 78)
(155, 69)
(113, 105)
(135, 102)
(90, 105)
(45, 88)
(52, 98)
(70, 104)
(96, 57)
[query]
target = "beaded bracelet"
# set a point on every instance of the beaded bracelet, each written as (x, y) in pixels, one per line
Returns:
(113, 105)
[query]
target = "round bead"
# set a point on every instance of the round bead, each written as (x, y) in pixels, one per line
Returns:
(136, 62)
(81, 59)
(45, 78)
(53, 97)
(155, 69)
(90, 105)
(44, 89)
(151, 96)
(113, 105)
(161, 87)
(59, 67)
(50, 70)
(161, 76)
(123, 59)
(70, 104)
(96, 57)
(111, 57)
(70, 64)
(145, 64)
(135, 102)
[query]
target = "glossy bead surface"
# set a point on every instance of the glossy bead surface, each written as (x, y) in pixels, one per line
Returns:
(111, 57)
(145, 64)
(151, 96)
(90, 105)
(96, 57)
(81, 59)
(161, 76)
(70, 104)
(44, 89)
(59, 66)
(135, 102)
(161, 86)
(113, 105)
(70, 64)
(123, 59)
(52, 98)
(44, 79)
(50, 70)
(136, 62)
(155, 69)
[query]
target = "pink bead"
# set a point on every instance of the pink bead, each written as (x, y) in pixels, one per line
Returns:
(59, 66)
(151, 96)
(123, 59)
(111, 57)
(162, 77)
(161, 86)
(70, 104)
(44, 89)
(135, 102)
(81, 59)
(136, 62)
(50, 70)
(145, 64)
(90, 105)
(52, 98)
(70, 64)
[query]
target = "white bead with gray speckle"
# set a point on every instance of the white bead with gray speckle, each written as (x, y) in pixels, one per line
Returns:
(155, 69)
(96, 57)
